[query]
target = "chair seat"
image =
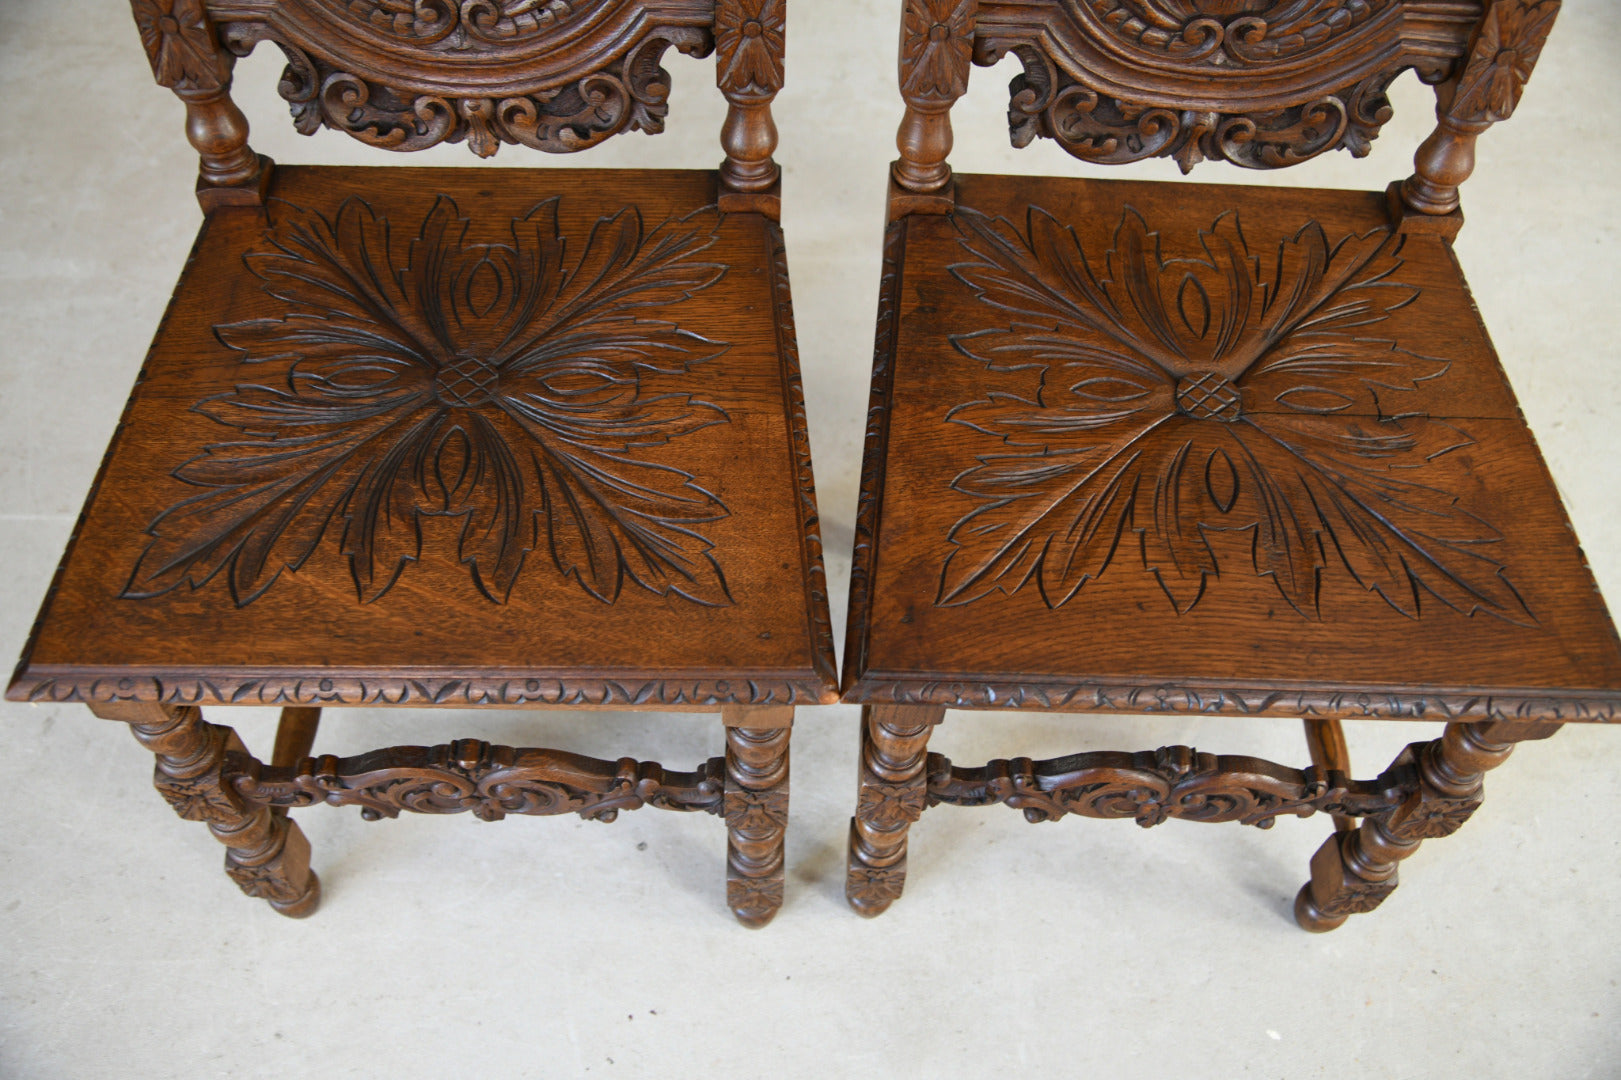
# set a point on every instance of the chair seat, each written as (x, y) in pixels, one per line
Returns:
(1171, 447)
(464, 437)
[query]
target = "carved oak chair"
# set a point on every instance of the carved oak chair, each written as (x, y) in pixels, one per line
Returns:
(1148, 447)
(459, 437)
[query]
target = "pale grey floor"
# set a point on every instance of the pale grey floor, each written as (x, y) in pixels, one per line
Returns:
(556, 948)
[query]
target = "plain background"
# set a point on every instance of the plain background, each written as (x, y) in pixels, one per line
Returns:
(554, 947)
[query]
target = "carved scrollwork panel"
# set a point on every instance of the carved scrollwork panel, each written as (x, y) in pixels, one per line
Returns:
(472, 776)
(630, 95)
(1152, 787)
(1250, 31)
(1263, 84)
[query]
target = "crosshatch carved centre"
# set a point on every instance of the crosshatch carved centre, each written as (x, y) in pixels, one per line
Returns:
(1145, 396)
(515, 386)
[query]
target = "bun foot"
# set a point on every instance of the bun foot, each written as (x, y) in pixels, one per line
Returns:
(301, 907)
(1310, 917)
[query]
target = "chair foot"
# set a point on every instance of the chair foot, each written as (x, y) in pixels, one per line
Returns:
(1310, 917)
(869, 890)
(1353, 872)
(893, 794)
(267, 855)
(756, 809)
(304, 906)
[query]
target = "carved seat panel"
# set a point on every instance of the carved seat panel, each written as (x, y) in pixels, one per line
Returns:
(1146, 447)
(438, 437)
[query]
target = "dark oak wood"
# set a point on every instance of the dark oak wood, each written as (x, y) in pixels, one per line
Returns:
(439, 437)
(1143, 447)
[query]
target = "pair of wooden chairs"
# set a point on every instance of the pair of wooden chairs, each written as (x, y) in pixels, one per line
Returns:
(536, 438)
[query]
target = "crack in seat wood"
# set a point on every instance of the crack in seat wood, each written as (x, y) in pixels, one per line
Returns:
(518, 438)
(1195, 448)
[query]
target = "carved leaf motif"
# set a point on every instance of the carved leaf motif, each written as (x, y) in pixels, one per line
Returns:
(179, 44)
(749, 45)
(754, 897)
(873, 886)
(1506, 48)
(889, 806)
(260, 882)
(754, 810)
(508, 386)
(937, 44)
(1129, 401)
(197, 799)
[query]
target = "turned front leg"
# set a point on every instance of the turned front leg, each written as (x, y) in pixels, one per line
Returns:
(267, 855)
(756, 809)
(1354, 871)
(893, 794)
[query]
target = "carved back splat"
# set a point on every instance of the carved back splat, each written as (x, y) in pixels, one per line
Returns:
(554, 75)
(1263, 84)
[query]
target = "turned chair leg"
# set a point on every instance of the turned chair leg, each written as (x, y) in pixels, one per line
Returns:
(1326, 741)
(1354, 871)
(893, 794)
(295, 738)
(756, 809)
(267, 856)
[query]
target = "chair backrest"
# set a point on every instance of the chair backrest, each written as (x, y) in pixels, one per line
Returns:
(1260, 83)
(555, 75)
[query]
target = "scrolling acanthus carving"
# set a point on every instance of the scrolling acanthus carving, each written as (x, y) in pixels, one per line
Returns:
(1173, 781)
(1107, 130)
(1227, 32)
(460, 25)
(470, 775)
(632, 94)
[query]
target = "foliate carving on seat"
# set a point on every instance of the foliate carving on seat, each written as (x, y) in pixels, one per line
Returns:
(749, 44)
(937, 45)
(510, 386)
(180, 44)
(1225, 31)
(1166, 397)
(1152, 787)
(1111, 131)
(470, 775)
(632, 94)
(1505, 49)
